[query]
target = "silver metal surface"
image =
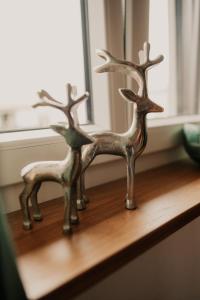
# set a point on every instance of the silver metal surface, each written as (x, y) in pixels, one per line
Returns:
(64, 172)
(129, 144)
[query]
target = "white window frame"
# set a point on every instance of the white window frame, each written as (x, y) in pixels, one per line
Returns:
(109, 110)
(22, 147)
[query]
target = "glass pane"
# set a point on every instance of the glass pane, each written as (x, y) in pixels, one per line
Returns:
(41, 48)
(174, 30)
(158, 77)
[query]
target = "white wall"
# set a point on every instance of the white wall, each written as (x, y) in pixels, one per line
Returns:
(168, 271)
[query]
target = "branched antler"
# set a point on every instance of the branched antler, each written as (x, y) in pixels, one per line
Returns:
(135, 71)
(67, 109)
(113, 64)
(145, 61)
(47, 100)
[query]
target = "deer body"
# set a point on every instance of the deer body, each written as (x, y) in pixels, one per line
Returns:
(131, 143)
(116, 143)
(63, 172)
(58, 171)
(128, 145)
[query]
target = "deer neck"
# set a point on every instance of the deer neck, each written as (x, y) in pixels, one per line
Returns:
(137, 133)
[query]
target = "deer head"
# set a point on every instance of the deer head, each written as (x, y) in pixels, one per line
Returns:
(144, 105)
(73, 135)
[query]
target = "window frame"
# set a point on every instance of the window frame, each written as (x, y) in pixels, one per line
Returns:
(87, 71)
(87, 62)
(109, 111)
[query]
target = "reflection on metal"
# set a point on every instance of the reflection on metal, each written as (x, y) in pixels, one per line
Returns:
(131, 143)
(64, 172)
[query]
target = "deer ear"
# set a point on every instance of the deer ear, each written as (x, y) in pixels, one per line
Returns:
(129, 95)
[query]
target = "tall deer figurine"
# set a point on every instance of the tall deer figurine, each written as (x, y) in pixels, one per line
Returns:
(63, 172)
(129, 144)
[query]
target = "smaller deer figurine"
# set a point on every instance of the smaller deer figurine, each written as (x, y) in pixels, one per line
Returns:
(130, 144)
(63, 172)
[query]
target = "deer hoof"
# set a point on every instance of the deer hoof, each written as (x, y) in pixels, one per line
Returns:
(130, 204)
(27, 225)
(74, 219)
(86, 199)
(37, 218)
(80, 204)
(67, 229)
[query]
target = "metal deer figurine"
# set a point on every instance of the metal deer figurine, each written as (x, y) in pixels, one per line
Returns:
(129, 144)
(63, 172)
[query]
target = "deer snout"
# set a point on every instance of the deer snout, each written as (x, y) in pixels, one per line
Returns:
(155, 107)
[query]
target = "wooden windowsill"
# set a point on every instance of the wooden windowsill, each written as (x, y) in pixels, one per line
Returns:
(53, 266)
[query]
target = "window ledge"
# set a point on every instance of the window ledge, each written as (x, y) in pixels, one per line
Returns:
(108, 236)
(171, 121)
(31, 138)
(17, 149)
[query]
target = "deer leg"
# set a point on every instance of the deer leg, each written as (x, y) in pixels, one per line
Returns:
(87, 158)
(74, 214)
(23, 198)
(67, 210)
(84, 197)
(81, 203)
(37, 216)
(130, 197)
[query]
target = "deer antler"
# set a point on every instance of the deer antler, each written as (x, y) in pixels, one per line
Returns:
(71, 106)
(145, 65)
(135, 71)
(145, 62)
(49, 101)
(113, 64)
(73, 103)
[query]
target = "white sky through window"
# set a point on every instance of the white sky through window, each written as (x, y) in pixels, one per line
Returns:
(158, 77)
(41, 48)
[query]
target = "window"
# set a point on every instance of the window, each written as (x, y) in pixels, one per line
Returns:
(174, 31)
(41, 48)
(109, 111)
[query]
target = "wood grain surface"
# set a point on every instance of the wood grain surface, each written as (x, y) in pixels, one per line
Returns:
(53, 266)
